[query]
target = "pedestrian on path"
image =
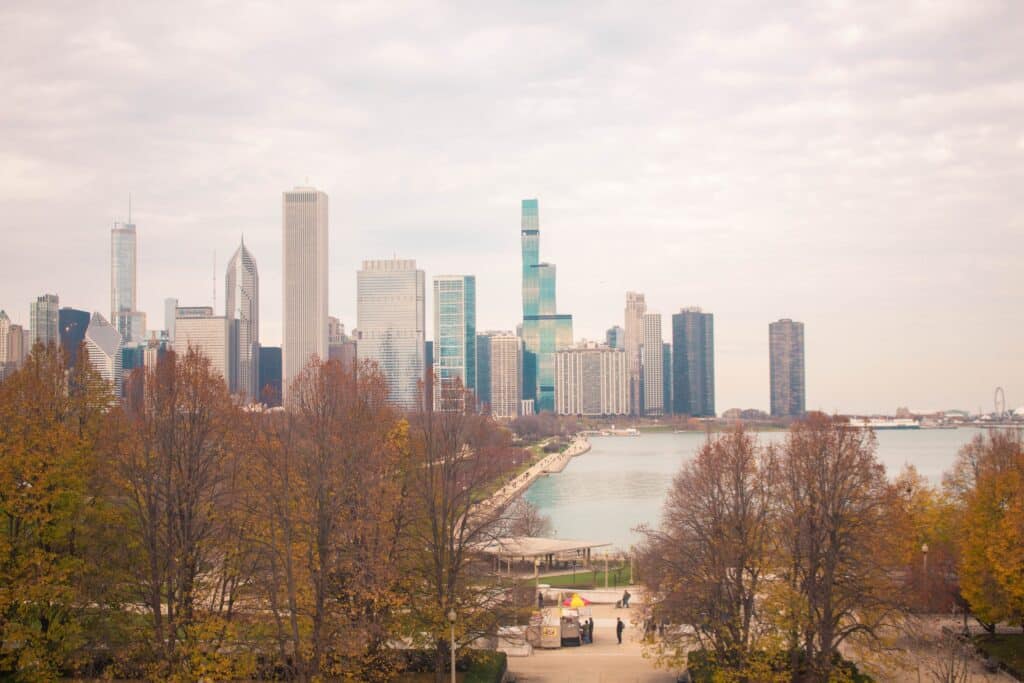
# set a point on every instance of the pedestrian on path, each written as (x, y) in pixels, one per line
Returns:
(619, 628)
(540, 600)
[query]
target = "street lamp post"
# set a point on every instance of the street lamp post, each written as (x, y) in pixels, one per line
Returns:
(924, 574)
(451, 644)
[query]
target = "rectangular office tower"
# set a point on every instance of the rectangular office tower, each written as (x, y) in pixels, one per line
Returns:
(44, 321)
(304, 232)
(454, 340)
(505, 370)
(693, 363)
(544, 330)
(216, 338)
(130, 323)
(591, 380)
(633, 339)
(390, 317)
(652, 355)
(786, 359)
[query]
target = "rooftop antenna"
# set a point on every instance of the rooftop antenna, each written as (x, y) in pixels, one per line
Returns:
(215, 282)
(129, 208)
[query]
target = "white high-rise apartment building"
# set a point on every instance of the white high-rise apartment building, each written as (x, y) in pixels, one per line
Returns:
(130, 323)
(591, 379)
(104, 343)
(242, 305)
(653, 366)
(636, 306)
(390, 313)
(506, 375)
(304, 228)
(211, 337)
(44, 321)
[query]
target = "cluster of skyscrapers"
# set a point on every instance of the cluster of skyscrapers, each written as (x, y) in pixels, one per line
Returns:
(537, 368)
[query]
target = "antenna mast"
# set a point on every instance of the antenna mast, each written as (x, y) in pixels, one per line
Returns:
(215, 282)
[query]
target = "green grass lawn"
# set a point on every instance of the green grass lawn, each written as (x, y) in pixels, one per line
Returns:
(585, 578)
(1005, 647)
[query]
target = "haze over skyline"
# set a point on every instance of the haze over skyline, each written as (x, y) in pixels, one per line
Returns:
(853, 166)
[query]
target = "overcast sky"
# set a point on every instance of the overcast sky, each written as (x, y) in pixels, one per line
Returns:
(855, 166)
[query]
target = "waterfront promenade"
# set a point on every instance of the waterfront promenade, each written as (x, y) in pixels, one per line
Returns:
(549, 464)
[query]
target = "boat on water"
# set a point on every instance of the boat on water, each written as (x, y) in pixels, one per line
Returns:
(628, 431)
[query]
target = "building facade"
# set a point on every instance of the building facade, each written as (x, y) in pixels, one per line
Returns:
(505, 361)
(72, 323)
(544, 330)
(693, 363)
(454, 340)
(483, 372)
(104, 345)
(5, 339)
(242, 305)
(214, 337)
(305, 238)
(652, 355)
(615, 337)
(666, 378)
(633, 339)
(44, 320)
(270, 375)
(591, 380)
(390, 312)
(786, 361)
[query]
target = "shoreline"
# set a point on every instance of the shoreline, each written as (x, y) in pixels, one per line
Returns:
(552, 463)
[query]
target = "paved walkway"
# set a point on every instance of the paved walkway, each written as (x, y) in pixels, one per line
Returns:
(603, 661)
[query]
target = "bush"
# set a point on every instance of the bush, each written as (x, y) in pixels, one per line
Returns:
(702, 667)
(486, 667)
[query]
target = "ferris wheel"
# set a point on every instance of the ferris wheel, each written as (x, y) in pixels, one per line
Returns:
(1000, 402)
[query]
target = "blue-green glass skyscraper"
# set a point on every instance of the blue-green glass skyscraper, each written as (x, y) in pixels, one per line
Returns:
(544, 330)
(454, 339)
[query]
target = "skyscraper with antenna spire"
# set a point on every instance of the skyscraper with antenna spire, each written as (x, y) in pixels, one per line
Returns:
(125, 317)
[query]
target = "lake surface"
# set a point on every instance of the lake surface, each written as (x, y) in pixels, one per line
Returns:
(622, 481)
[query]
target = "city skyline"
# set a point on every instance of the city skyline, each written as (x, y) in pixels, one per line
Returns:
(839, 166)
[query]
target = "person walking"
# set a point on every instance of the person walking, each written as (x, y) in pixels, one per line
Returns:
(540, 600)
(619, 628)
(590, 627)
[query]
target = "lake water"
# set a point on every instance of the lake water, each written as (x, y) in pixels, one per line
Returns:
(622, 481)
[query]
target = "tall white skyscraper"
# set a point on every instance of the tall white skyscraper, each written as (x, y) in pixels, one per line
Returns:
(304, 228)
(170, 312)
(454, 339)
(390, 312)
(130, 323)
(653, 365)
(103, 343)
(506, 374)
(242, 304)
(636, 306)
(44, 319)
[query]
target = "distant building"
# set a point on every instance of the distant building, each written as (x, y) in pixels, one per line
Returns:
(242, 305)
(193, 312)
(633, 334)
(615, 337)
(391, 320)
(170, 312)
(335, 330)
(130, 322)
(544, 331)
(270, 375)
(304, 227)
(5, 338)
(786, 360)
(428, 374)
(454, 339)
(214, 337)
(72, 323)
(344, 352)
(693, 363)
(483, 372)
(652, 352)
(44, 320)
(505, 370)
(17, 345)
(103, 344)
(666, 377)
(591, 380)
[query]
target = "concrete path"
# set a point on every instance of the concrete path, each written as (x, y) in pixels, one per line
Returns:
(603, 661)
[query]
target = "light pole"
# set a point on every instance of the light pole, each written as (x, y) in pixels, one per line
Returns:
(451, 644)
(924, 576)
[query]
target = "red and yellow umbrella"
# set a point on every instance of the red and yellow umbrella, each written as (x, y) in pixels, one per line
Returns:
(575, 601)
